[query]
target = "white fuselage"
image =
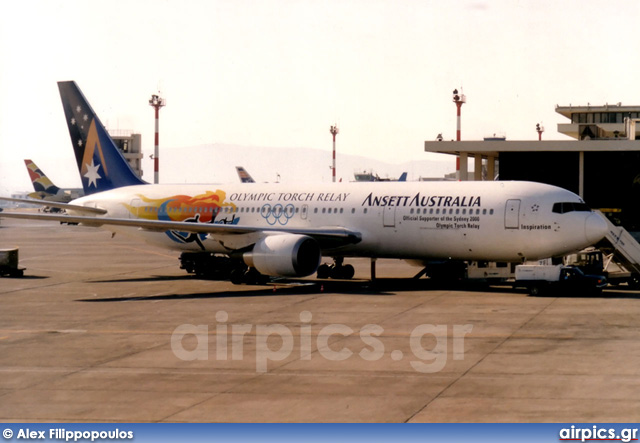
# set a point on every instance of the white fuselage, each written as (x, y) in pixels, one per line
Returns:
(497, 221)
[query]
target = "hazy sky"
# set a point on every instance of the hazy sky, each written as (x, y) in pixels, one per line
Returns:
(278, 73)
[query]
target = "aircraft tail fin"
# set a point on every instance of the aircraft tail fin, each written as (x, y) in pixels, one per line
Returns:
(403, 177)
(101, 165)
(41, 183)
(245, 177)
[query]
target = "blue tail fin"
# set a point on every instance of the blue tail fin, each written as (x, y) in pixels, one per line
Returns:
(101, 165)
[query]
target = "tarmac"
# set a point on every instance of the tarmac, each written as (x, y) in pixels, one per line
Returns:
(110, 329)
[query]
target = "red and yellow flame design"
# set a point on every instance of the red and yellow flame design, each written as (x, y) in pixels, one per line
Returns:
(181, 207)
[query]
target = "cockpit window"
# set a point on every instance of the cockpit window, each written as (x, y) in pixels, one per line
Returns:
(563, 208)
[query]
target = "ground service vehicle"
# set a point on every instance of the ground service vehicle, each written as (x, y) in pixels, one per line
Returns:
(9, 263)
(558, 279)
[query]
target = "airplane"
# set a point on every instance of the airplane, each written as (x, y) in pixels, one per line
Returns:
(244, 176)
(284, 230)
(44, 187)
(370, 177)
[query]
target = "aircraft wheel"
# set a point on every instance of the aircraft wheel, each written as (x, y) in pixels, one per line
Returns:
(253, 277)
(535, 290)
(342, 272)
(348, 272)
(323, 271)
(237, 276)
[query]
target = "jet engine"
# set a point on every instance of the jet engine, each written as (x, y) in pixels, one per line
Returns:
(285, 255)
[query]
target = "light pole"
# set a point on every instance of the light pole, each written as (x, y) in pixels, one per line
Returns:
(156, 102)
(459, 100)
(334, 131)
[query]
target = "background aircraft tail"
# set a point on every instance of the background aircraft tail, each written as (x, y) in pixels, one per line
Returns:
(101, 165)
(41, 183)
(245, 177)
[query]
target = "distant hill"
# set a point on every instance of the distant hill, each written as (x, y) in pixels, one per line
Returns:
(216, 163)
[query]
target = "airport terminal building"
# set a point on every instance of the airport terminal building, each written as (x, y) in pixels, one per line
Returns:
(601, 164)
(130, 146)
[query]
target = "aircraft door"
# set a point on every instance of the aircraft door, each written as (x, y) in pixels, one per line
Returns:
(304, 212)
(512, 214)
(389, 217)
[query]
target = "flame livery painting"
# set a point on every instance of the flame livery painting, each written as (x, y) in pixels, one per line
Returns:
(201, 208)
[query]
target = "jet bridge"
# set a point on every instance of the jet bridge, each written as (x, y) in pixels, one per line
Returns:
(623, 253)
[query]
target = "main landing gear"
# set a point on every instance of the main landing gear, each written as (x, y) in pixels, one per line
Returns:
(338, 270)
(216, 267)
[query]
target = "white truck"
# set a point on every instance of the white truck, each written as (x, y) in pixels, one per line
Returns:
(560, 279)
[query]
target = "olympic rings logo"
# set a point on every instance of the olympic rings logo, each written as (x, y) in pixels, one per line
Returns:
(277, 213)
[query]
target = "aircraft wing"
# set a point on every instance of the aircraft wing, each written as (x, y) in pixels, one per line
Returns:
(328, 238)
(59, 205)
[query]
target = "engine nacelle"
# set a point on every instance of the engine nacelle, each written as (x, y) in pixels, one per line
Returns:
(285, 255)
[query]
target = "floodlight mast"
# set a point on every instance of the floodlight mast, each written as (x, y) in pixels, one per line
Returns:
(539, 130)
(156, 102)
(459, 99)
(334, 131)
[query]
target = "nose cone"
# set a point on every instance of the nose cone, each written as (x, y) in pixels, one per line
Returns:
(595, 228)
